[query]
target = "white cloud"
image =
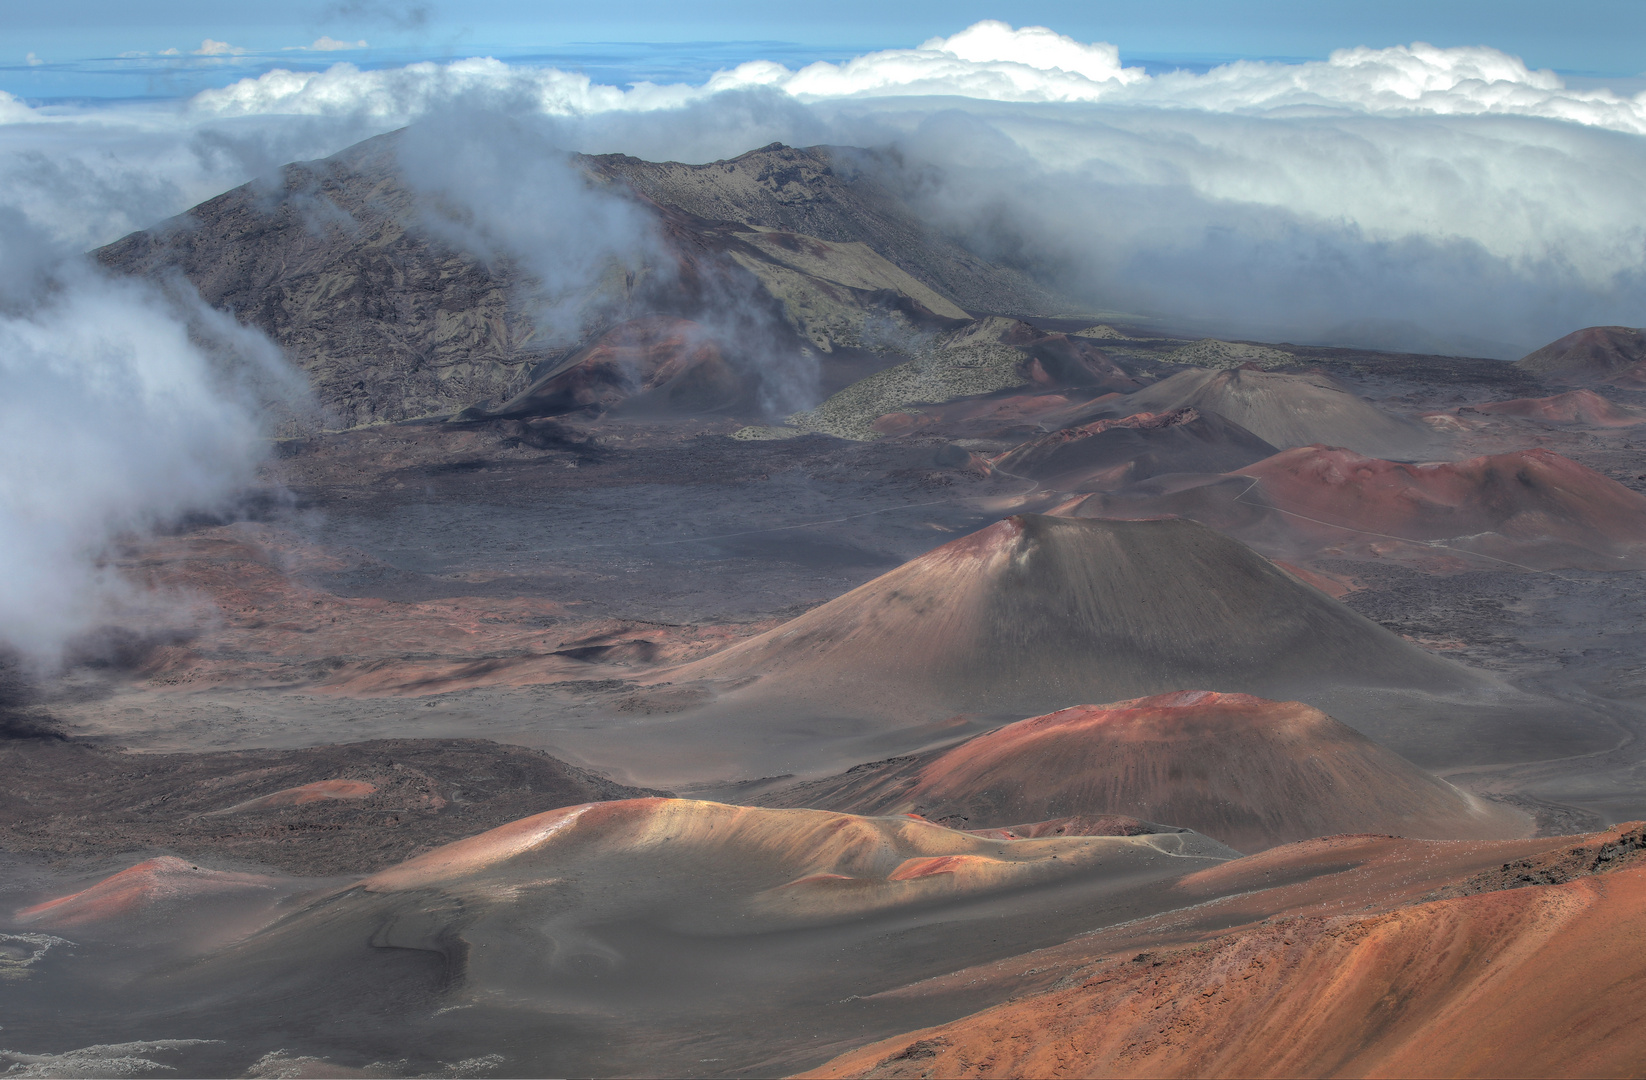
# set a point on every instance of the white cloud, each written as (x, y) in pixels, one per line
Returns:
(991, 62)
(209, 47)
(987, 60)
(114, 419)
(330, 44)
(33, 60)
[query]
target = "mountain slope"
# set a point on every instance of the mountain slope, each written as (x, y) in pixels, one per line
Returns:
(365, 279)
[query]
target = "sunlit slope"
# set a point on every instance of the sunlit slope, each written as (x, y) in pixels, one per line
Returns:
(1540, 981)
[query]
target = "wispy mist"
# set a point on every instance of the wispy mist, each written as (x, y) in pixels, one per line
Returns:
(123, 408)
(497, 184)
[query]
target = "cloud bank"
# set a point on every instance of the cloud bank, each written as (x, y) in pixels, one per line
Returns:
(1409, 197)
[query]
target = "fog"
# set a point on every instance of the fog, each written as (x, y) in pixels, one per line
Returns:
(123, 408)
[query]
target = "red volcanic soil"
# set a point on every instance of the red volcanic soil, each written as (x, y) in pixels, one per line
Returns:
(319, 791)
(1530, 981)
(1108, 453)
(1579, 407)
(670, 363)
(1287, 409)
(166, 882)
(1532, 506)
(1595, 354)
(1249, 772)
(1034, 612)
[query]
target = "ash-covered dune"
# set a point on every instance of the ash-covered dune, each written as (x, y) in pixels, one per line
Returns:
(1592, 356)
(1286, 409)
(636, 937)
(1515, 981)
(1249, 772)
(1582, 408)
(162, 888)
(1530, 508)
(766, 866)
(1110, 453)
(1034, 613)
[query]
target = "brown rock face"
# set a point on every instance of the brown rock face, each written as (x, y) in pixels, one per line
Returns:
(1529, 508)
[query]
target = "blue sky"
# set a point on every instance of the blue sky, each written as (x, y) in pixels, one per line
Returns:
(72, 48)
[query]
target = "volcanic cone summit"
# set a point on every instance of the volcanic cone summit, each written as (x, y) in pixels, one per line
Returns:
(1033, 613)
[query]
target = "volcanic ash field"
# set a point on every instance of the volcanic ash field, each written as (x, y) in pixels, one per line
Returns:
(838, 659)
